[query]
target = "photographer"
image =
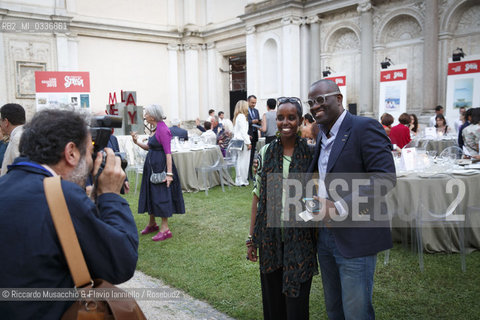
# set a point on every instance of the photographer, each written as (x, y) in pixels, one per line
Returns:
(59, 143)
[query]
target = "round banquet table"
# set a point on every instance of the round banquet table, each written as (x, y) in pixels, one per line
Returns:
(404, 203)
(187, 160)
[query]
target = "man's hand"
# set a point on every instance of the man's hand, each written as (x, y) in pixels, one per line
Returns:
(197, 122)
(327, 208)
(112, 177)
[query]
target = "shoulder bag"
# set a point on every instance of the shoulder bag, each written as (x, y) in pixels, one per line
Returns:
(84, 308)
(158, 177)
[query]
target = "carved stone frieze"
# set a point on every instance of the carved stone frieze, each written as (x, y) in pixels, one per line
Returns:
(342, 40)
(391, 6)
(402, 28)
(469, 20)
(30, 50)
(291, 20)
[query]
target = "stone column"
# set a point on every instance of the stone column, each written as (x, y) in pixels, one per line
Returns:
(62, 52)
(291, 56)
(172, 12)
(189, 12)
(251, 44)
(204, 85)
(212, 71)
(366, 65)
(173, 81)
(430, 56)
(314, 48)
(73, 53)
(192, 91)
(305, 59)
(445, 39)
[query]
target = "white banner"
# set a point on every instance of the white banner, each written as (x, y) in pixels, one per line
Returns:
(463, 87)
(393, 92)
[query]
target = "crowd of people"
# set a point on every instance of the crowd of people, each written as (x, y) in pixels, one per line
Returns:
(409, 129)
(308, 147)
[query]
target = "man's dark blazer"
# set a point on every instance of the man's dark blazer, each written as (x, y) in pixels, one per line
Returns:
(361, 147)
(179, 132)
(252, 131)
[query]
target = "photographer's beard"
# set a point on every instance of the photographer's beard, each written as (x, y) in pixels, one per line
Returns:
(80, 173)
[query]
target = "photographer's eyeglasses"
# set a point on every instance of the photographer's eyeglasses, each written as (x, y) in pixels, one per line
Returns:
(321, 99)
(282, 100)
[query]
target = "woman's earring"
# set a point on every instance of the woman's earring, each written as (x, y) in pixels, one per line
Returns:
(277, 134)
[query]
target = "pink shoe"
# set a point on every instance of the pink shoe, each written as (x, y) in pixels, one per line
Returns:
(160, 236)
(149, 229)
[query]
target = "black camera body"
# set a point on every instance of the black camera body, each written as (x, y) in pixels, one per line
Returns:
(101, 130)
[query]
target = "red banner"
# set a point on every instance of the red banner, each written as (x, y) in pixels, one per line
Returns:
(463, 67)
(340, 81)
(47, 81)
(393, 75)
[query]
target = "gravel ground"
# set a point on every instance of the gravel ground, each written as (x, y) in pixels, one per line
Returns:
(159, 301)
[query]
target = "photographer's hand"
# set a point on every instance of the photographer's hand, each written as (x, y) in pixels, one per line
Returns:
(112, 177)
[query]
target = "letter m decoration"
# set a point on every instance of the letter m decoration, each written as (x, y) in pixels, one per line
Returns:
(112, 98)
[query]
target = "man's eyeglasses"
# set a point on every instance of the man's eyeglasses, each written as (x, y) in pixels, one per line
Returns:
(282, 100)
(321, 99)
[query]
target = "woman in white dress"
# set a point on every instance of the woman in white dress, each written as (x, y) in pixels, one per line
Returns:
(240, 132)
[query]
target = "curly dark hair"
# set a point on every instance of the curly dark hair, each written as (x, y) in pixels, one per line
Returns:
(44, 138)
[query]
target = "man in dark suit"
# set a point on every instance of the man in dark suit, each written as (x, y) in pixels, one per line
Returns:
(347, 147)
(254, 123)
(177, 131)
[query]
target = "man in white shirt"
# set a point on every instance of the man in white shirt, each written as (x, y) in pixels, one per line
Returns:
(209, 136)
(12, 121)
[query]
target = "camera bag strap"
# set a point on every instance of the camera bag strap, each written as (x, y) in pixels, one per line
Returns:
(125, 309)
(66, 232)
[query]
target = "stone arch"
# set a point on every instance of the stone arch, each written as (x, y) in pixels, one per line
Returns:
(342, 38)
(270, 66)
(401, 27)
(462, 17)
(410, 19)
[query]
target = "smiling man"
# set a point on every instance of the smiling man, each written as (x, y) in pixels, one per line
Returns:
(348, 145)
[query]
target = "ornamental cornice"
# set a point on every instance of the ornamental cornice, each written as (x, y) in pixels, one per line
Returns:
(313, 19)
(291, 20)
(250, 29)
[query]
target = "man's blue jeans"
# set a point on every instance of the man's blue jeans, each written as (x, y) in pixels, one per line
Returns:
(347, 283)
